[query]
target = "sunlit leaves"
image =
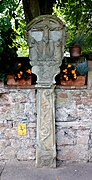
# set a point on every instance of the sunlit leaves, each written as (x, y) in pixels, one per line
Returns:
(77, 15)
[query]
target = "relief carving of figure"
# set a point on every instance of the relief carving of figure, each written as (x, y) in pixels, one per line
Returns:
(35, 49)
(43, 49)
(46, 117)
(58, 49)
(48, 48)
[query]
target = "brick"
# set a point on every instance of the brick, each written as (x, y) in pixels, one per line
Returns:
(63, 95)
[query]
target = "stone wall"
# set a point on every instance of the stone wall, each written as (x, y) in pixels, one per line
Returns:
(73, 124)
(17, 106)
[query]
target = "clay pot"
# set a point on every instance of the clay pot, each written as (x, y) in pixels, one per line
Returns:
(80, 81)
(11, 81)
(21, 82)
(75, 51)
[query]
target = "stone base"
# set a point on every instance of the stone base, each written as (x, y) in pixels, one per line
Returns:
(46, 158)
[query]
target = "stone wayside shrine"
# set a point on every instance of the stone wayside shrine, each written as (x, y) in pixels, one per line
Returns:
(46, 37)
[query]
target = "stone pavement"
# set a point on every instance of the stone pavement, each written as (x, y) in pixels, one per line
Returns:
(18, 170)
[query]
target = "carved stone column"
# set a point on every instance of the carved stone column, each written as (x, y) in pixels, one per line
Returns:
(46, 37)
(46, 145)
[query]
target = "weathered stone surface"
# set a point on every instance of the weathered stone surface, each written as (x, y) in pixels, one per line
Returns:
(66, 136)
(74, 125)
(73, 134)
(46, 37)
(72, 154)
(26, 154)
(46, 144)
(17, 106)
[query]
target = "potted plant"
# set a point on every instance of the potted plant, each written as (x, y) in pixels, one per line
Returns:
(12, 71)
(22, 74)
(68, 74)
(73, 75)
(77, 44)
(82, 68)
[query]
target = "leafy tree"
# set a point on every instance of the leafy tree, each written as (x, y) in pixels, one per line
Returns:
(77, 15)
(21, 12)
(13, 10)
(78, 19)
(34, 8)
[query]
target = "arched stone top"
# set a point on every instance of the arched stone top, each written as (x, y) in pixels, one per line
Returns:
(45, 18)
(46, 39)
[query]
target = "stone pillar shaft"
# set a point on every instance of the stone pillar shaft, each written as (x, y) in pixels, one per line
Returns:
(46, 144)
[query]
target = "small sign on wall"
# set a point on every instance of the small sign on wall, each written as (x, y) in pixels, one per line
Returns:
(22, 129)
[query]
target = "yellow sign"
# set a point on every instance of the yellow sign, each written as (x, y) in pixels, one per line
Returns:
(22, 130)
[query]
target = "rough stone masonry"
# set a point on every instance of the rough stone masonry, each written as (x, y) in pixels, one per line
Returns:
(17, 106)
(73, 124)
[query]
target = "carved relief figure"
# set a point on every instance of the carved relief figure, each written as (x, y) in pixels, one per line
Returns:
(43, 49)
(45, 41)
(58, 49)
(48, 46)
(46, 119)
(33, 50)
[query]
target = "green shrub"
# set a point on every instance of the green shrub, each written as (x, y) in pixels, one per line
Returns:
(8, 48)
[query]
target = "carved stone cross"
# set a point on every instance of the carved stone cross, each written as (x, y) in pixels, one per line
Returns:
(46, 36)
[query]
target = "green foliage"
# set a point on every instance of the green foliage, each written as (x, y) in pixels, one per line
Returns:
(19, 26)
(13, 10)
(9, 63)
(8, 48)
(12, 37)
(77, 15)
(82, 68)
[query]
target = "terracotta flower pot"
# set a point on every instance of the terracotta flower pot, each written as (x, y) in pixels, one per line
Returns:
(11, 81)
(21, 82)
(24, 82)
(75, 51)
(80, 81)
